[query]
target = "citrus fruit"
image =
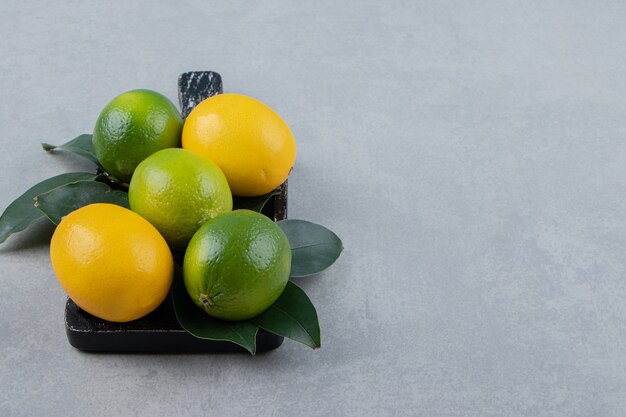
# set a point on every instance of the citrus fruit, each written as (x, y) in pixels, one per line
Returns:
(133, 126)
(237, 265)
(247, 139)
(178, 191)
(111, 262)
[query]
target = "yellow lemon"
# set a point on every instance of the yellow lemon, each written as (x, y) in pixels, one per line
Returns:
(249, 141)
(111, 262)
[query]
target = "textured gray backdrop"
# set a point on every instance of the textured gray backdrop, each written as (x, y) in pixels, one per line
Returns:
(471, 155)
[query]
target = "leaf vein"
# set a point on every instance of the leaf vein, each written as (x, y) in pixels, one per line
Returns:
(298, 322)
(314, 244)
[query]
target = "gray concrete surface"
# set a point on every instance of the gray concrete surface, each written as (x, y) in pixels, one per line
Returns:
(471, 154)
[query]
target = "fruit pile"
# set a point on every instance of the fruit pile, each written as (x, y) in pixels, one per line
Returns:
(165, 199)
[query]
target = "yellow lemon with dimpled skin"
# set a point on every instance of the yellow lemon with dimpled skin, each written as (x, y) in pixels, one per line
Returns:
(249, 141)
(111, 262)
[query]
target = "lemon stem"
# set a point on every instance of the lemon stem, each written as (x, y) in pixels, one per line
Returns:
(206, 301)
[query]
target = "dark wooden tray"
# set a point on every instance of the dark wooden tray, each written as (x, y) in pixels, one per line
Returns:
(159, 331)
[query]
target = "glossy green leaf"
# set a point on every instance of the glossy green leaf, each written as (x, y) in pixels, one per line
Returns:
(313, 247)
(80, 145)
(22, 212)
(292, 316)
(201, 325)
(63, 200)
(253, 203)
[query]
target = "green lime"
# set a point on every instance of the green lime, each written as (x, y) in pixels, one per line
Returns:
(178, 191)
(133, 126)
(237, 265)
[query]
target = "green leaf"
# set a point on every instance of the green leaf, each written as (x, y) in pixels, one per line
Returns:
(313, 247)
(292, 316)
(80, 145)
(201, 325)
(253, 203)
(63, 200)
(22, 212)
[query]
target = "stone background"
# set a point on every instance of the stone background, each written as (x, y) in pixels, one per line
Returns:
(470, 154)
